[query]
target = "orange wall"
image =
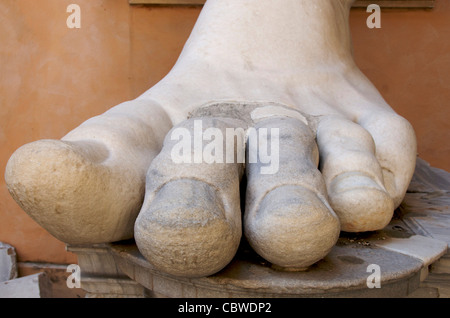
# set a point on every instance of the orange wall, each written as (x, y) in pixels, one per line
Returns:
(53, 78)
(408, 60)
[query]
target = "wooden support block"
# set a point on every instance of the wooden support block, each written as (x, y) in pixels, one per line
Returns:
(8, 267)
(32, 286)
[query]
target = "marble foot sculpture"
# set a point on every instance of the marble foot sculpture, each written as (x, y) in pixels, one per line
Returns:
(321, 150)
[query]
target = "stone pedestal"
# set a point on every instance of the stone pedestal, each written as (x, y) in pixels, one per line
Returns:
(410, 256)
(100, 274)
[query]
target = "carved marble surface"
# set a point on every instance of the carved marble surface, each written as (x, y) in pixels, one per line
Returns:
(416, 239)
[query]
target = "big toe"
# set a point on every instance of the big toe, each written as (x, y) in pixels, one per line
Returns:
(66, 189)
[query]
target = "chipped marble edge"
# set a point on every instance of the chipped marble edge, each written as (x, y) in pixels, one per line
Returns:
(426, 249)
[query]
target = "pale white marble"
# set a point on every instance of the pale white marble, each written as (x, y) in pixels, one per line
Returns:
(89, 186)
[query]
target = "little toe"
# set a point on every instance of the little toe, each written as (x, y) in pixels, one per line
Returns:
(396, 150)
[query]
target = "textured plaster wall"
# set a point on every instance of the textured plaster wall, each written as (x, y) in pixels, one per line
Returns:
(53, 78)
